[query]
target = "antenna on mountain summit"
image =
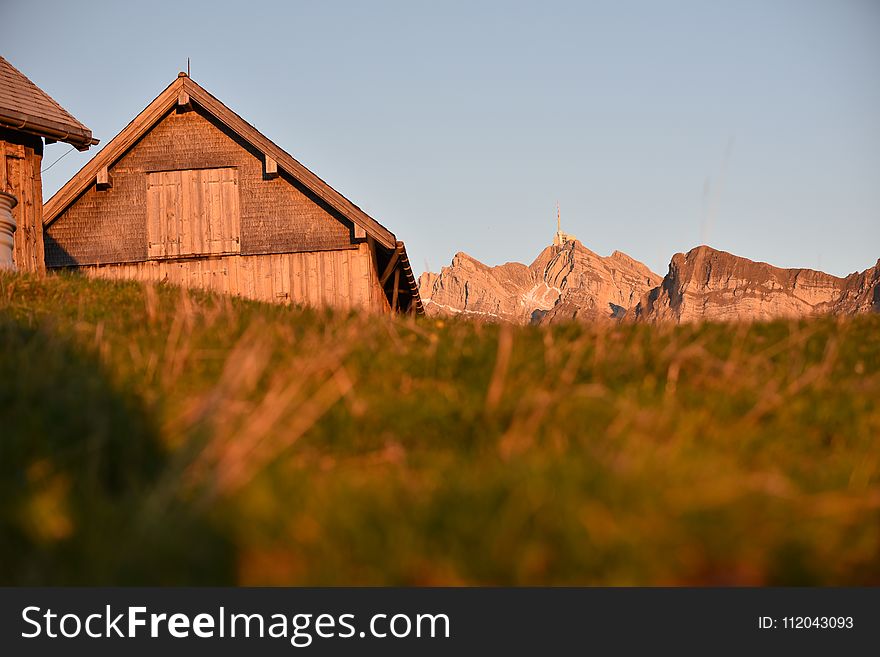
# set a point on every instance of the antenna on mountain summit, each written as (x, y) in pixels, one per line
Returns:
(560, 238)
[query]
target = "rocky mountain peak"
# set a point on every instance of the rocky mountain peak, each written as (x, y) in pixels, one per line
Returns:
(708, 284)
(566, 281)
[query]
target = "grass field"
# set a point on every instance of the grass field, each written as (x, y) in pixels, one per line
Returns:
(154, 436)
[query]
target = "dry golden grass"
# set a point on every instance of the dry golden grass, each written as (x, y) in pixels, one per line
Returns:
(157, 436)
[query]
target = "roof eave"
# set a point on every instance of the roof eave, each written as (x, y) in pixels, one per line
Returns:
(413, 284)
(78, 137)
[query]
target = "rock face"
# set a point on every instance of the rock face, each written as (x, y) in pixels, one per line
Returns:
(861, 293)
(565, 282)
(706, 284)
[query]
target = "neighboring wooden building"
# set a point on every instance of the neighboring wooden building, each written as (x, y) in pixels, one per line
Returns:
(27, 114)
(192, 194)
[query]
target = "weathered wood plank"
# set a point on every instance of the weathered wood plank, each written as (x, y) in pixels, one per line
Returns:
(313, 280)
(183, 100)
(188, 213)
(297, 289)
(271, 167)
(285, 277)
(4, 182)
(103, 180)
(345, 281)
(392, 263)
(396, 290)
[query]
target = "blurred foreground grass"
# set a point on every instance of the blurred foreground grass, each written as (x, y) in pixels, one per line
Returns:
(154, 436)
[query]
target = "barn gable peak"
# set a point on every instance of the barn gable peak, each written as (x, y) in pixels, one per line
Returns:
(183, 93)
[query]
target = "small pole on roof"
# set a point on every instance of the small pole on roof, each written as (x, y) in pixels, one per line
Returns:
(187, 67)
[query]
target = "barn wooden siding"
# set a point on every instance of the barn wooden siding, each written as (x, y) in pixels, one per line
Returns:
(110, 226)
(321, 279)
(21, 157)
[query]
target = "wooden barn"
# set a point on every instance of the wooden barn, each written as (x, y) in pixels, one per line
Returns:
(27, 116)
(192, 194)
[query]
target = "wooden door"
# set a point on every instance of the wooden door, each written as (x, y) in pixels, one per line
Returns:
(193, 212)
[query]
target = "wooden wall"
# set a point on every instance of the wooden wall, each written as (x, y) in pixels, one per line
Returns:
(110, 226)
(21, 157)
(340, 279)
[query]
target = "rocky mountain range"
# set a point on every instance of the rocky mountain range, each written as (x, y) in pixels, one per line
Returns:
(568, 281)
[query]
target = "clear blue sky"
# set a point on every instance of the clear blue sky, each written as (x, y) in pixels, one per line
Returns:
(751, 125)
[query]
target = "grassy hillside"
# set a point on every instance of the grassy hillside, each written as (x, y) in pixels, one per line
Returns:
(148, 435)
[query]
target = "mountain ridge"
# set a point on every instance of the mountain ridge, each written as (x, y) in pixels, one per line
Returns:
(569, 282)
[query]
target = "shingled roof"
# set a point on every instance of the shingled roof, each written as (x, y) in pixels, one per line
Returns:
(27, 108)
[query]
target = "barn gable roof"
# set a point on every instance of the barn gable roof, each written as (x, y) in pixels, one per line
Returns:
(27, 108)
(184, 91)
